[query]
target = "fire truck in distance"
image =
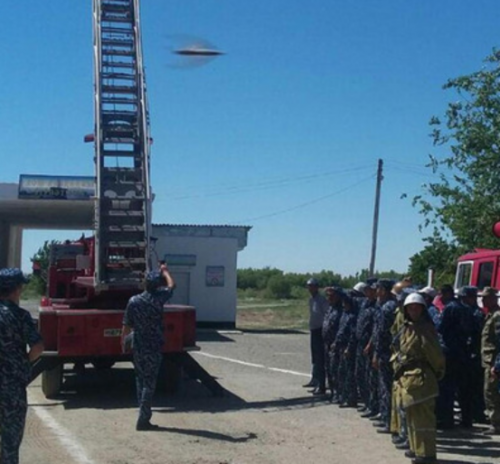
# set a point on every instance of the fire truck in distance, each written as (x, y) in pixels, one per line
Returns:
(480, 267)
(91, 280)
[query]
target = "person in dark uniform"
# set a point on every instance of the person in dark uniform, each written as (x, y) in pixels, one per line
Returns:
(445, 296)
(144, 317)
(459, 330)
(318, 307)
(345, 347)
(364, 327)
(372, 373)
(382, 350)
(330, 328)
(17, 331)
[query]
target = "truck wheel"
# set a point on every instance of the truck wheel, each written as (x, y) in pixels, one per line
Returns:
(103, 363)
(52, 381)
(169, 376)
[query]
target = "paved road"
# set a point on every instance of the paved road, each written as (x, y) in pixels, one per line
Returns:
(267, 417)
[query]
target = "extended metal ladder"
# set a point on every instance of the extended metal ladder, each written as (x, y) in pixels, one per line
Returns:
(122, 144)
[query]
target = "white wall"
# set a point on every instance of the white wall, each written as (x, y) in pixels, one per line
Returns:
(213, 304)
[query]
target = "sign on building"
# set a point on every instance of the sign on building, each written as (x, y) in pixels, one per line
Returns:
(56, 187)
(214, 276)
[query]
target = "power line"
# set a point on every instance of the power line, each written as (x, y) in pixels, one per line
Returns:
(231, 189)
(303, 205)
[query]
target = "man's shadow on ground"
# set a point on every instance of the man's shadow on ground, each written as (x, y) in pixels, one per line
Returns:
(208, 434)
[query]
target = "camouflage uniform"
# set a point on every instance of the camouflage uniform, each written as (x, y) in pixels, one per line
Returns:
(345, 347)
(364, 327)
(374, 406)
(490, 349)
(17, 330)
(382, 352)
(329, 332)
(144, 314)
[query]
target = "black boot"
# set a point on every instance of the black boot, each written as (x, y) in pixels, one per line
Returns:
(145, 425)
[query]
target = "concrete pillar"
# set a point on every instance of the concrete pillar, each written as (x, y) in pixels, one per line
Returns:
(4, 243)
(15, 246)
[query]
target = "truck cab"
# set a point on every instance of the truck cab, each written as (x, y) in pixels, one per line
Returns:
(479, 268)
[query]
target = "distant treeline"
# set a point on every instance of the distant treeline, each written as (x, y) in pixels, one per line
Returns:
(274, 283)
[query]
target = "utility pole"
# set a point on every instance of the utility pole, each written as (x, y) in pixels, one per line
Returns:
(375, 216)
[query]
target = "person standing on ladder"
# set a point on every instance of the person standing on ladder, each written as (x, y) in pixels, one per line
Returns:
(143, 324)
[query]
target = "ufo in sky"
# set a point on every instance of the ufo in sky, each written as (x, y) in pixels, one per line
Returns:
(196, 50)
(188, 51)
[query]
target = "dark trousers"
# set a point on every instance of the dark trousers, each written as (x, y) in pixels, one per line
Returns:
(347, 380)
(457, 381)
(330, 377)
(13, 408)
(373, 386)
(477, 386)
(362, 374)
(385, 376)
(318, 357)
(147, 366)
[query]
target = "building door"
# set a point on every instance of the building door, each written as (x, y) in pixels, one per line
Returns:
(181, 292)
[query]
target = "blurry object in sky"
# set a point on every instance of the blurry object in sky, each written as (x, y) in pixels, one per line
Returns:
(189, 51)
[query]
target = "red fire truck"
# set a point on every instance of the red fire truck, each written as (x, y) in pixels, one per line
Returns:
(91, 280)
(480, 267)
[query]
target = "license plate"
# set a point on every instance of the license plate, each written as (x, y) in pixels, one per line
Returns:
(112, 332)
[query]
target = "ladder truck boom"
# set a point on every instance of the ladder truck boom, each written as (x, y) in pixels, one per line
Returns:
(122, 146)
(91, 280)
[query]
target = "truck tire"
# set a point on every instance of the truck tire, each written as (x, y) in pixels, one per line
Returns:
(169, 376)
(52, 381)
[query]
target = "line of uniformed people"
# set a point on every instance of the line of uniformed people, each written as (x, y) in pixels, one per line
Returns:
(386, 346)
(382, 355)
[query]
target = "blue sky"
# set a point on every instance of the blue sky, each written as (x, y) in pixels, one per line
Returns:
(307, 98)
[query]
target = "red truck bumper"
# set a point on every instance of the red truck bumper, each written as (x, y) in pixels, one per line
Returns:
(96, 332)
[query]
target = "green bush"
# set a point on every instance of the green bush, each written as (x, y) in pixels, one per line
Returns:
(35, 288)
(278, 287)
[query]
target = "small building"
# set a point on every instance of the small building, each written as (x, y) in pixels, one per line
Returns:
(202, 259)
(203, 262)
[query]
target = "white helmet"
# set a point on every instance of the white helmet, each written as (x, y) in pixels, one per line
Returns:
(415, 298)
(360, 287)
(429, 291)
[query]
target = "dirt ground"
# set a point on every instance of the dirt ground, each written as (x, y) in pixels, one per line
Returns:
(265, 417)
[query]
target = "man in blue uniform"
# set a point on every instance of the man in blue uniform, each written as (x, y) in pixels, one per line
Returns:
(144, 316)
(329, 332)
(372, 373)
(364, 327)
(382, 350)
(345, 349)
(460, 330)
(17, 331)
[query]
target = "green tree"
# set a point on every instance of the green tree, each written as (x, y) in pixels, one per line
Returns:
(279, 287)
(461, 207)
(441, 257)
(38, 283)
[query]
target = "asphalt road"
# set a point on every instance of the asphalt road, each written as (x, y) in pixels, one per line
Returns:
(265, 417)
